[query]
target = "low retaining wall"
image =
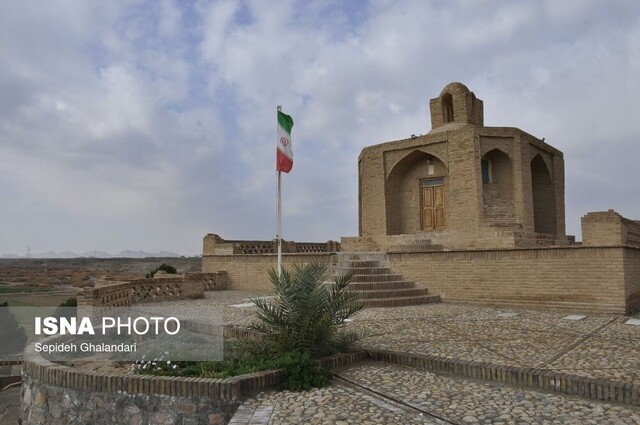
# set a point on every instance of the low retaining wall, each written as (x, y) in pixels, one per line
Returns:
(599, 279)
(53, 394)
(578, 278)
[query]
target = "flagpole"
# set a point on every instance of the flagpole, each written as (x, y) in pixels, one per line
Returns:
(279, 225)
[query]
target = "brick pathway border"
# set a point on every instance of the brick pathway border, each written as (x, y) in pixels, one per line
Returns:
(540, 379)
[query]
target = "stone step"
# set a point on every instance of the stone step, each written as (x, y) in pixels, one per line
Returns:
(376, 277)
(366, 270)
(375, 286)
(360, 263)
(391, 293)
(400, 301)
(343, 257)
(373, 281)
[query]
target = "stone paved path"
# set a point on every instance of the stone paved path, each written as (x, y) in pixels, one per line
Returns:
(601, 346)
(598, 346)
(453, 400)
(337, 404)
(9, 406)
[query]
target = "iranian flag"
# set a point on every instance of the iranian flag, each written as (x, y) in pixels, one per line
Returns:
(284, 158)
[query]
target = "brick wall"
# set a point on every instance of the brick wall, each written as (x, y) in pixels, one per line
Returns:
(605, 228)
(579, 278)
(250, 272)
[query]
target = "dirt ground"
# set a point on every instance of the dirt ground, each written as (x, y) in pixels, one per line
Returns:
(48, 282)
(81, 271)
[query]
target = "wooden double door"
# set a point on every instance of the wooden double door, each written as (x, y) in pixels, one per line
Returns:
(432, 216)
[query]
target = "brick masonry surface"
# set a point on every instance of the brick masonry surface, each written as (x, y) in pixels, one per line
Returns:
(586, 278)
(250, 272)
(524, 191)
(605, 279)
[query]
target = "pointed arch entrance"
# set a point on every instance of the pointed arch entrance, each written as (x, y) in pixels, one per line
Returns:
(544, 198)
(415, 194)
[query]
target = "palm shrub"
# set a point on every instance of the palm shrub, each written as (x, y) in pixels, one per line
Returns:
(307, 315)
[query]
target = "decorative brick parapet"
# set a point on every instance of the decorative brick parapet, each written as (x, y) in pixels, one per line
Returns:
(125, 294)
(215, 245)
(539, 379)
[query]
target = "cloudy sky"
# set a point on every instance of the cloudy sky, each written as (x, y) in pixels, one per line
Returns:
(146, 124)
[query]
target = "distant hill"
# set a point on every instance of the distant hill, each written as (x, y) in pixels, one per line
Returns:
(97, 254)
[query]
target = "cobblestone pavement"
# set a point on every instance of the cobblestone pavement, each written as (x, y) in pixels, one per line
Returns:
(476, 402)
(598, 346)
(337, 404)
(450, 399)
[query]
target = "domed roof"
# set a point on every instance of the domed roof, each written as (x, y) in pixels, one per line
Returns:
(455, 87)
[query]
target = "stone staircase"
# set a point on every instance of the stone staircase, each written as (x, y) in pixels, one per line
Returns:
(378, 287)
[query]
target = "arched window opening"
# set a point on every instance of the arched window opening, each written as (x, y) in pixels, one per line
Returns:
(486, 171)
(447, 108)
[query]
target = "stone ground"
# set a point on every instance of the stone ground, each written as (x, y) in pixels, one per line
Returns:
(600, 346)
(9, 406)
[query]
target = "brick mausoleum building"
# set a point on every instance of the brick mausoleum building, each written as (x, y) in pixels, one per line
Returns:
(471, 213)
(462, 184)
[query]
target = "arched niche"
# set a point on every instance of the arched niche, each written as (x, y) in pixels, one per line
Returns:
(544, 197)
(497, 187)
(403, 190)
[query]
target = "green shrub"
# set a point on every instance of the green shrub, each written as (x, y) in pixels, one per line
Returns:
(300, 372)
(299, 369)
(163, 267)
(70, 302)
(307, 316)
(305, 321)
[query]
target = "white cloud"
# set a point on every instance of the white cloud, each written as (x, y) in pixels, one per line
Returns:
(166, 109)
